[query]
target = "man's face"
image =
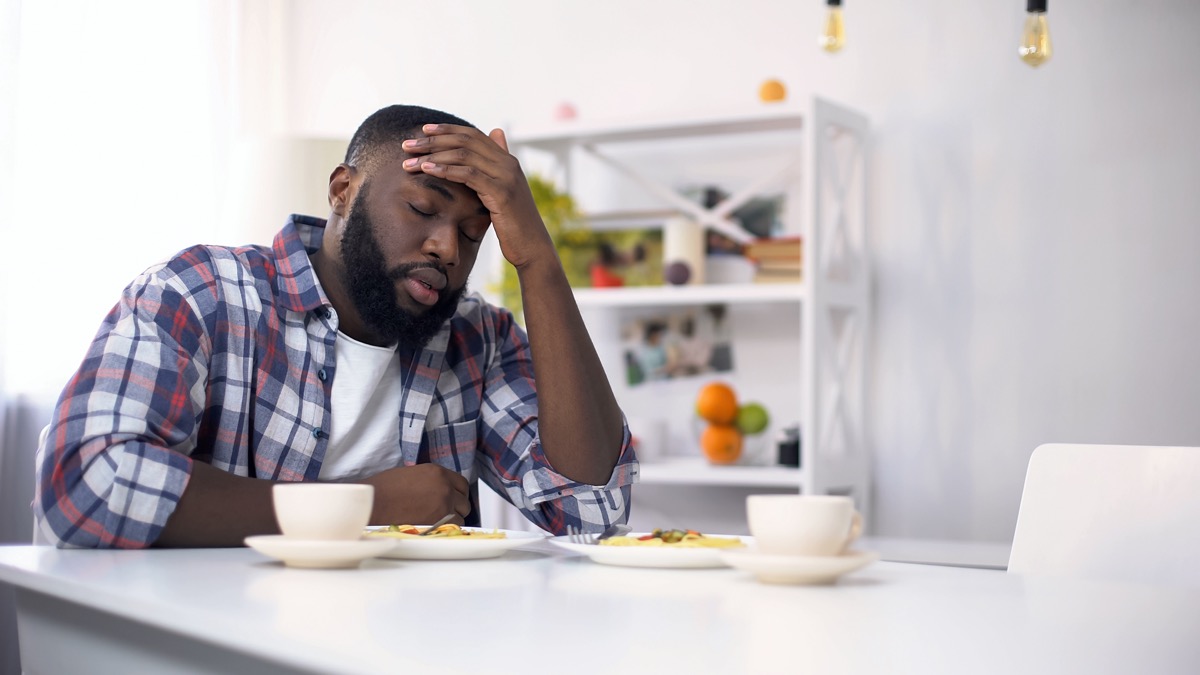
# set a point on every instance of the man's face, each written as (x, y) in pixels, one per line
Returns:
(409, 244)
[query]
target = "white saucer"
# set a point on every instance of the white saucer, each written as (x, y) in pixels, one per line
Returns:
(311, 553)
(790, 569)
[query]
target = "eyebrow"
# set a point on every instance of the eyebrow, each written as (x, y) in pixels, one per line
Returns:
(435, 185)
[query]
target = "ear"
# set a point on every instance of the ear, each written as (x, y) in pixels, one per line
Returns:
(339, 190)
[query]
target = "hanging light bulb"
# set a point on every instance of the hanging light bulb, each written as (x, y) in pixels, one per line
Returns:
(834, 36)
(1035, 39)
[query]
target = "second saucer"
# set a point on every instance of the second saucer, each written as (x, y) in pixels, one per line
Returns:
(787, 569)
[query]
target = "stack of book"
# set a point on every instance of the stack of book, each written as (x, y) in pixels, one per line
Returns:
(777, 259)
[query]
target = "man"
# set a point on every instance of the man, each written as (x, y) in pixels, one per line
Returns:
(347, 351)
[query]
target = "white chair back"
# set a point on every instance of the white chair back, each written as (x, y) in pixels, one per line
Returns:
(1112, 512)
(40, 537)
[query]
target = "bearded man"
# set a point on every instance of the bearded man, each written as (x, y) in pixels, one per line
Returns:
(347, 351)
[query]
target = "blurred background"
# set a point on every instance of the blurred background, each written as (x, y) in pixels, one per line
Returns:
(1034, 232)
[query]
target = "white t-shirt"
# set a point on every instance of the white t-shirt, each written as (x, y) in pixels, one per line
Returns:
(364, 429)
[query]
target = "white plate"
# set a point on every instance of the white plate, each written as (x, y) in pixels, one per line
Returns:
(788, 569)
(649, 556)
(318, 554)
(456, 548)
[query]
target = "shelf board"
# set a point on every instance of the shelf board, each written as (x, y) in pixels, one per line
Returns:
(697, 471)
(557, 135)
(700, 294)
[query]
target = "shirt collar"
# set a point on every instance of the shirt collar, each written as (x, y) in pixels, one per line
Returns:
(297, 282)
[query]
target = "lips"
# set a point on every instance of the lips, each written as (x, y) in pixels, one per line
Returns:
(424, 285)
(430, 277)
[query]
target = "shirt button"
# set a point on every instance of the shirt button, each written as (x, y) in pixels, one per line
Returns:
(322, 375)
(317, 433)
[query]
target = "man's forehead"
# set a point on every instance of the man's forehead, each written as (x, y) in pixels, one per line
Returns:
(393, 165)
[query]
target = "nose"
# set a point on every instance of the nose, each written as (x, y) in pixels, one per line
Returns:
(442, 243)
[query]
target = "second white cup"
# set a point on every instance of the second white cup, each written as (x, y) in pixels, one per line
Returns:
(802, 525)
(333, 511)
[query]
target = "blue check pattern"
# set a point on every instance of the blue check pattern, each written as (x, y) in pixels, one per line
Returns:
(226, 356)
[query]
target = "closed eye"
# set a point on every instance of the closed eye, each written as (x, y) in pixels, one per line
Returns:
(469, 238)
(420, 212)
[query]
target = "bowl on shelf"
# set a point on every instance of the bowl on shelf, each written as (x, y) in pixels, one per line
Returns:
(728, 269)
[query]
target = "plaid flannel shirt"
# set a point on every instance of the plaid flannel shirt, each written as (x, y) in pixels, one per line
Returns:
(226, 356)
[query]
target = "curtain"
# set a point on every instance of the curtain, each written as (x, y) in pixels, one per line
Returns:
(115, 123)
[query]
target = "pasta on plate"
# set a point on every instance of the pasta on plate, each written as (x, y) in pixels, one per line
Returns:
(674, 539)
(449, 531)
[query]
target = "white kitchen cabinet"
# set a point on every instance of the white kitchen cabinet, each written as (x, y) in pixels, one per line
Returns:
(800, 348)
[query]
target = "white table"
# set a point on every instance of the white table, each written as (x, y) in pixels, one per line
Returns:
(538, 610)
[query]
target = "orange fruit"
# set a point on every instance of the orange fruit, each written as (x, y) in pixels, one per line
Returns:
(717, 403)
(772, 91)
(721, 444)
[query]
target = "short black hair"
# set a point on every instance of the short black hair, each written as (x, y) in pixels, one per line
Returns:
(385, 129)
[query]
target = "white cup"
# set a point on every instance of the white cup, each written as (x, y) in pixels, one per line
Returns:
(338, 511)
(803, 525)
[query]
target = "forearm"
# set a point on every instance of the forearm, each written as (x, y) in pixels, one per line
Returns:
(219, 509)
(555, 507)
(579, 421)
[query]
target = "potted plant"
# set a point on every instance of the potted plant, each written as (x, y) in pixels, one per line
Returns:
(573, 243)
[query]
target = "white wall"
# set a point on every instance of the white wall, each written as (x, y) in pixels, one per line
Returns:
(1034, 231)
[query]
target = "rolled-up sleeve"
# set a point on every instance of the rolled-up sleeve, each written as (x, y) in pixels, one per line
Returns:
(515, 465)
(116, 460)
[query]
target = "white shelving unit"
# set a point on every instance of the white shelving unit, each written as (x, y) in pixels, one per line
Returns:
(812, 364)
(697, 471)
(703, 294)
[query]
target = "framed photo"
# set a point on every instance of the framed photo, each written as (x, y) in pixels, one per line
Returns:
(679, 343)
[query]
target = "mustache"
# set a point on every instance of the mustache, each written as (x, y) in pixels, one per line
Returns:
(401, 271)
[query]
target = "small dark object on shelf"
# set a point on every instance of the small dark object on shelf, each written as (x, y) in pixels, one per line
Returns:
(677, 273)
(789, 447)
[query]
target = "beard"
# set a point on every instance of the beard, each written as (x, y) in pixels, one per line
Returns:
(372, 286)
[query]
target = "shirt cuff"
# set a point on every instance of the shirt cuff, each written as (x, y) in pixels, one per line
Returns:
(545, 484)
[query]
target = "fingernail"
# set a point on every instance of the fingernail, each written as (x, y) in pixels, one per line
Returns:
(429, 127)
(410, 143)
(410, 163)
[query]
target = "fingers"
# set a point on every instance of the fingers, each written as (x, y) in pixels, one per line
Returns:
(420, 494)
(460, 484)
(497, 135)
(459, 499)
(463, 509)
(461, 504)
(459, 153)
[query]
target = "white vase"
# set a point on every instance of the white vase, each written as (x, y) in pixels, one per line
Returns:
(683, 242)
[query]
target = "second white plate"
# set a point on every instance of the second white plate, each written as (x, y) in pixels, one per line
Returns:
(457, 548)
(649, 556)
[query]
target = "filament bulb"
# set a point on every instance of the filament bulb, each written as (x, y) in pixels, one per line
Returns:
(1035, 39)
(833, 38)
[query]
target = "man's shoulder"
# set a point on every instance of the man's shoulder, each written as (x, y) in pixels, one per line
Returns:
(219, 258)
(206, 269)
(477, 318)
(475, 310)
(481, 332)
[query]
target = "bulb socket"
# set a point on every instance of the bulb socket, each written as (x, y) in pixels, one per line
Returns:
(838, 3)
(1032, 6)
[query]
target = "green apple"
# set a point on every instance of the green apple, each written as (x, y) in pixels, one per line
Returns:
(752, 418)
